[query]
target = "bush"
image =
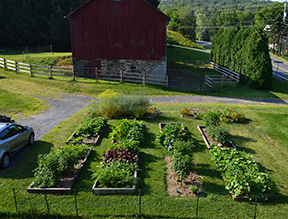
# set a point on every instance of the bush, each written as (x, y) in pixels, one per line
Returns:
(178, 39)
(114, 105)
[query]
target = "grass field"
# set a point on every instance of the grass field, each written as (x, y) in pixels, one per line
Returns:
(264, 135)
(254, 136)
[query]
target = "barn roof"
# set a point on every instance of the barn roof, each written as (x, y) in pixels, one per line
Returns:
(156, 10)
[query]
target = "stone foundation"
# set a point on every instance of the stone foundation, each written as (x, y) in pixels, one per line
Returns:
(152, 68)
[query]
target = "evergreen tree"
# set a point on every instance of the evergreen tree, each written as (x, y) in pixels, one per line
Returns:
(205, 34)
(154, 3)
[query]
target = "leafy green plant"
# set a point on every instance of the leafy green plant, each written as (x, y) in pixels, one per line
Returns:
(129, 144)
(182, 164)
(241, 174)
(194, 189)
(212, 118)
(231, 115)
(127, 129)
(116, 175)
(55, 164)
(219, 134)
(172, 133)
(91, 127)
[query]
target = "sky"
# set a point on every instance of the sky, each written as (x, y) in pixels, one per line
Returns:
(278, 0)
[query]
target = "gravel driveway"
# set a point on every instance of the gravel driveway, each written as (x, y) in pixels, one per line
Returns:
(59, 110)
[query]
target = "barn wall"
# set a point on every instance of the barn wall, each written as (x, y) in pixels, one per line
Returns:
(149, 67)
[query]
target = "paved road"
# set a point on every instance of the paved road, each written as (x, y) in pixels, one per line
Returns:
(209, 44)
(281, 68)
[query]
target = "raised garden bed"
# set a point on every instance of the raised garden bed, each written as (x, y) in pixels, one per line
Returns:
(208, 140)
(65, 183)
(92, 140)
(193, 113)
(114, 191)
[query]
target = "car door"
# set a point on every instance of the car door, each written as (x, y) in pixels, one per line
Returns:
(15, 139)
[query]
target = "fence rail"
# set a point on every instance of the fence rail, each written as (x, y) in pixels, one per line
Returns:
(36, 69)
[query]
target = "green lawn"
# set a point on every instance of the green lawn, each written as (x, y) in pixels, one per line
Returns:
(264, 135)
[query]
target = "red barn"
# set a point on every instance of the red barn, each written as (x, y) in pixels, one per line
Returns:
(119, 35)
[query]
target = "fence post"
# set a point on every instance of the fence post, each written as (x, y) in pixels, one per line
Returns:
(121, 76)
(31, 72)
(167, 81)
(73, 74)
(222, 80)
(255, 207)
(96, 74)
(197, 205)
(15, 66)
(15, 198)
(51, 76)
(139, 201)
(144, 78)
(212, 84)
(5, 64)
(47, 203)
(75, 203)
(198, 63)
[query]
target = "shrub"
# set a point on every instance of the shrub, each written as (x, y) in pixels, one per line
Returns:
(178, 39)
(114, 105)
(231, 115)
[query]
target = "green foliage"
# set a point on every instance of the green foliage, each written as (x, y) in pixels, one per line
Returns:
(234, 47)
(57, 163)
(205, 34)
(171, 133)
(194, 112)
(114, 105)
(91, 127)
(176, 38)
(182, 164)
(127, 129)
(211, 118)
(116, 175)
(194, 189)
(241, 174)
(231, 115)
(219, 134)
(129, 144)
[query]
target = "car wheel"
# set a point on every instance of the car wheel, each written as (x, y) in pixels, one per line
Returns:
(31, 139)
(5, 160)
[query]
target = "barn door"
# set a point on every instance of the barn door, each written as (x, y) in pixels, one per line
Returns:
(96, 64)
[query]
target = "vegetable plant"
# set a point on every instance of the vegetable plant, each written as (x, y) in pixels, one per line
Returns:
(91, 127)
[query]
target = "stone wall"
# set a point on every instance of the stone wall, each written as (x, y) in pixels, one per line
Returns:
(153, 68)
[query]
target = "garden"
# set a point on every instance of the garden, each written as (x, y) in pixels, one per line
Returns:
(165, 164)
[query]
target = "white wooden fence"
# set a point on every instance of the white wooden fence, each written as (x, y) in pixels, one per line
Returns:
(228, 76)
(69, 72)
(36, 69)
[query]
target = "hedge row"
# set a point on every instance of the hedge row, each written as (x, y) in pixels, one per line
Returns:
(247, 48)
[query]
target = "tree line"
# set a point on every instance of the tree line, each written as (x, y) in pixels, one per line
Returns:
(216, 15)
(244, 50)
(38, 22)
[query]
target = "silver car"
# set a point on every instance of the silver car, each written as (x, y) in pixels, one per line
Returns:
(13, 137)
